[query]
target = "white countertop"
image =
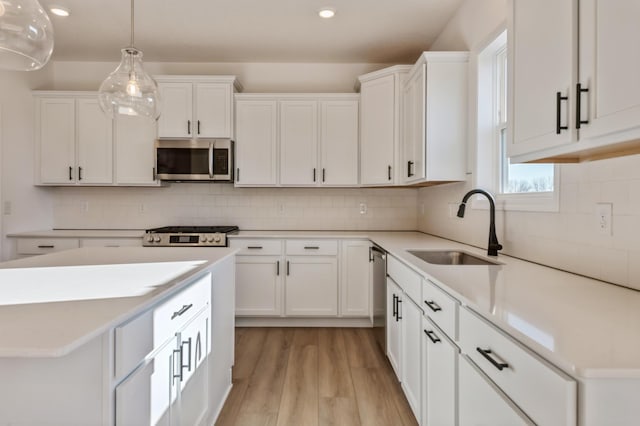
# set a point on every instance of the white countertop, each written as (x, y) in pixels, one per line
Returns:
(52, 304)
(80, 233)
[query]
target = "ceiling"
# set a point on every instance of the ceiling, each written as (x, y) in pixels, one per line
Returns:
(363, 31)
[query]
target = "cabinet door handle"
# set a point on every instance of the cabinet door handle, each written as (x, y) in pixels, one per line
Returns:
(46, 246)
(432, 336)
(182, 365)
(79, 173)
(323, 175)
(153, 173)
(198, 126)
(559, 99)
(395, 307)
(70, 173)
(579, 92)
(486, 353)
(177, 355)
(254, 247)
(277, 268)
(399, 314)
(409, 167)
(182, 310)
(314, 174)
(433, 306)
(288, 268)
(188, 127)
(238, 174)
(389, 172)
(311, 247)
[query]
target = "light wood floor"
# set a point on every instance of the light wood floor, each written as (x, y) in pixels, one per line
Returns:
(312, 376)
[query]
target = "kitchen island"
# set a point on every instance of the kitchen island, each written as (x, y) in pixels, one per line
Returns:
(84, 334)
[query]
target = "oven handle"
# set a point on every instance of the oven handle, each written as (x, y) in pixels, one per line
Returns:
(211, 160)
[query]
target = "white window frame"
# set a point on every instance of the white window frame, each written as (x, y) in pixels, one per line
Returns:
(489, 168)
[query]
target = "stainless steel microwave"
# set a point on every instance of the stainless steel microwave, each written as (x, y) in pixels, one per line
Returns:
(195, 160)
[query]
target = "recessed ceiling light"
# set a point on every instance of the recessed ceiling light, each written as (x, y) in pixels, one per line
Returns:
(59, 11)
(327, 12)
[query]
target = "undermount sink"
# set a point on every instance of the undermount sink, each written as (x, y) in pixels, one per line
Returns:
(450, 257)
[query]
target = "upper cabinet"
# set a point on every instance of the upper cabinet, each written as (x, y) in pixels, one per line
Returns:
(196, 106)
(76, 143)
(297, 140)
(434, 118)
(380, 104)
(572, 91)
(74, 140)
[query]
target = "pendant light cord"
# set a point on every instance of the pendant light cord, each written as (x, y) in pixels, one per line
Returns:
(132, 23)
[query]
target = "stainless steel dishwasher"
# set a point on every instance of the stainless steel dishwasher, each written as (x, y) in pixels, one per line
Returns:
(378, 258)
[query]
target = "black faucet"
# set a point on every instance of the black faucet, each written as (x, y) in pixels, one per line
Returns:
(494, 245)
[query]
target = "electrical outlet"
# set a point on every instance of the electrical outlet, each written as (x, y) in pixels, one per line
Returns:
(604, 218)
(6, 208)
(363, 208)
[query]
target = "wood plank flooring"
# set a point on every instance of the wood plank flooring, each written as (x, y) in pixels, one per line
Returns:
(312, 377)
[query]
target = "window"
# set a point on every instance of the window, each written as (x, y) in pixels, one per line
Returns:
(517, 186)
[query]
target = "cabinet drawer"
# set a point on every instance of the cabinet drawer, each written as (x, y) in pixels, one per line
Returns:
(407, 279)
(441, 308)
(133, 342)
(266, 247)
(112, 242)
(173, 314)
(312, 247)
(545, 394)
(45, 245)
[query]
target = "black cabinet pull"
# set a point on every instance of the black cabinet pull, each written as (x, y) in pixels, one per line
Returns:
(182, 310)
(323, 175)
(395, 307)
(399, 314)
(79, 173)
(70, 173)
(579, 92)
(559, 99)
(311, 248)
(177, 355)
(314, 174)
(46, 247)
(409, 167)
(277, 268)
(188, 127)
(198, 126)
(433, 306)
(432, 336)
(254, 247)
(188, 365)
(389, 172)
(153, 173)
(238, 174)
(288, 269)
(486, 353)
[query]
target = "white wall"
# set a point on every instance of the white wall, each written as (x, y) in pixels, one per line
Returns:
(31, 207)
(568, 239)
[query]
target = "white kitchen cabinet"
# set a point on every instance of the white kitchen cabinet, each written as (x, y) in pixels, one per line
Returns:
(439, 376)
(196, 106)
(74, 140)
(380, 122)
(411, 365)
(311, 286)
(298, 142)
(256, 142)
(259, 285)
(483, 403)
(36, 246)
(339, 143)
(394, 330)
(571, 92)
(134, 151)
(355, 280)
(434, 119)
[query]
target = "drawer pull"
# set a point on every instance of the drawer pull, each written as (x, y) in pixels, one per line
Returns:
(432, 336)
(487, 354)
(433, 306)
(182, 310)
(277, 268)
(46, 247)
(311, 248)
(254, 247)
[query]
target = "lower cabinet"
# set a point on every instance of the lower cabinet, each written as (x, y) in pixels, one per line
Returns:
(394, 330)
(311, 286)
(258, 285)
(439, 376)
(482, 402)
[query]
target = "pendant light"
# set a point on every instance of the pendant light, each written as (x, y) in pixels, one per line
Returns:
(129, 90)
(26, 35)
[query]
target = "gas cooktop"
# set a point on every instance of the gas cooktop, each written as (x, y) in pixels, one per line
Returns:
(188, 236)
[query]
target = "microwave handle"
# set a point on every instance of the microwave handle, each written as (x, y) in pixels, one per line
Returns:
(211, 160)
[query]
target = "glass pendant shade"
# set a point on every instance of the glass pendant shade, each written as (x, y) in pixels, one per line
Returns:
(26, 35)
(129, 90)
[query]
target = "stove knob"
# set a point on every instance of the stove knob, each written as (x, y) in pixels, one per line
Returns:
(156, 238)
(217, 239)
(203, 238)
(149, 238)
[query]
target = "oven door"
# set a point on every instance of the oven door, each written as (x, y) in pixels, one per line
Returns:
(184, 159)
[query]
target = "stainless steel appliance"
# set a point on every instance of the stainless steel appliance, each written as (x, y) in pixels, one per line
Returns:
(188, 236)
(378, 259)
(195, 160)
